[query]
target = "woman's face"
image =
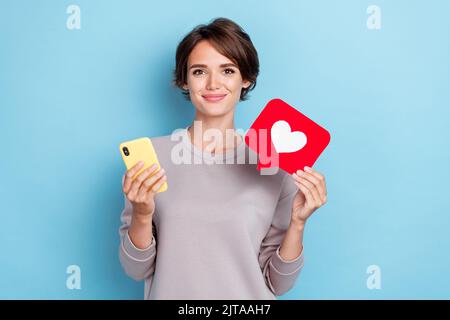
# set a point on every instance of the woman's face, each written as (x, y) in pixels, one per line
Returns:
(214, 81)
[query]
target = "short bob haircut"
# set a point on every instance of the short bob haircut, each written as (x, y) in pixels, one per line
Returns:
(230, 40)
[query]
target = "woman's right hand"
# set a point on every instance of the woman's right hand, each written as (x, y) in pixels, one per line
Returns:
(142, 190)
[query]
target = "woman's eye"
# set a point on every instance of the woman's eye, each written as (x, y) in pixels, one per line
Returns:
(229, 71)
(197, 72)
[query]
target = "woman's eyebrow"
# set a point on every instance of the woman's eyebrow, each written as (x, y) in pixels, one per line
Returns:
(228, 65)
(205, 66)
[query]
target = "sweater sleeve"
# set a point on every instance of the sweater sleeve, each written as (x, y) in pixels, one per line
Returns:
(137, 263)
(279, 274)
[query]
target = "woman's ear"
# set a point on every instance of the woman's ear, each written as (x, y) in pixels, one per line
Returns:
(185, 87)
(246, 84)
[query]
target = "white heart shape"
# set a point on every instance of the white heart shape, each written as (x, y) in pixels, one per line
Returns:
(286, 140)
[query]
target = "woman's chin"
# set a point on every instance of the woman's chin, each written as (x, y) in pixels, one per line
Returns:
(214, 114)
(214, 110)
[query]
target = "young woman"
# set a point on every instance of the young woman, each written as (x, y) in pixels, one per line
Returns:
(222, 230)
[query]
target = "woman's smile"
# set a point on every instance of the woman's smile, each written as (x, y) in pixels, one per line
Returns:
(214, 97)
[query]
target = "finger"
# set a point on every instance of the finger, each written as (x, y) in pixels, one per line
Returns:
(143, 190)
(314, 191)
(317, 183)
(306, 192)
(311, 187)
(129, 174)
(140, 179)
(157, 185)
(318, 175)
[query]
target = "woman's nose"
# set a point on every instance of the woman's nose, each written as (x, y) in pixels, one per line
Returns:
(213, 82)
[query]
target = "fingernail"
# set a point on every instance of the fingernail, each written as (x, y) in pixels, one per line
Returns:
(308, 168)
(299, 172)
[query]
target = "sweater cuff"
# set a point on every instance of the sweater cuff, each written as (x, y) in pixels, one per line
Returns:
(138, 254)
(286, 267)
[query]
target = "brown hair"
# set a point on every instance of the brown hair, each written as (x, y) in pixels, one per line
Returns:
(230, 40)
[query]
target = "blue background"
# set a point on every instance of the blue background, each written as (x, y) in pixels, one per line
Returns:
(69, 97)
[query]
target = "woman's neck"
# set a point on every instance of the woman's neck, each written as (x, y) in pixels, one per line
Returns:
(214, 137)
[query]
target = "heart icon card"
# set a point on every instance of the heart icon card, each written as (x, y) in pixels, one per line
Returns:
(284, 137)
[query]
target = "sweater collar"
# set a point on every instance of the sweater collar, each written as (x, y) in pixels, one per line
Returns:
(228, 154)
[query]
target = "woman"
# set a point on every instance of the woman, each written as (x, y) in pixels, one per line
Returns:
(221, 230)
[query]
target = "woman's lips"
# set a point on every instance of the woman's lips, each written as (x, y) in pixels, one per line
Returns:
(213, 97)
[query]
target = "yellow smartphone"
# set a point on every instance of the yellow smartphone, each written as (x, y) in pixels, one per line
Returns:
(140, 149)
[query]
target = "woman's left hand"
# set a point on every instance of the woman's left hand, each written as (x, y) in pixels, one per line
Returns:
(313, 194)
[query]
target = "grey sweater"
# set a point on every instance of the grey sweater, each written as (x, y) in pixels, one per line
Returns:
(216, 230)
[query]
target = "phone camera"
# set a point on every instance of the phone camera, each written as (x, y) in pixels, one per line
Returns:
(125, 151)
